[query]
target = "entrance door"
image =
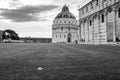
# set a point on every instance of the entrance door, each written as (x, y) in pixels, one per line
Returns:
(69, 37)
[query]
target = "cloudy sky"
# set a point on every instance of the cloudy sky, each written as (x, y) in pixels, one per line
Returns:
(34, 17)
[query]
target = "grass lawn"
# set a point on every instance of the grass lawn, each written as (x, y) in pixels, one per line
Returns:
(59, 62)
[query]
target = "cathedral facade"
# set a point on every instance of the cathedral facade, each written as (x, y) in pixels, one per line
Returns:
(99, 22)
(64, 28)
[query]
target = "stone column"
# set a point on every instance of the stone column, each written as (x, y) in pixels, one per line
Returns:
(106, 16)
(98, 15)
(93, 28)
(80, 30)
(88, 28)
(114, 24)
(84, 30)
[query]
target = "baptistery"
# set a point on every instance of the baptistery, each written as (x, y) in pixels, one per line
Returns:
(64, 28)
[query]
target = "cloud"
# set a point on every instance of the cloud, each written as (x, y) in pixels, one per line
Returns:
(26, 13)
(14, 3)
(73, 3)
(10, 4)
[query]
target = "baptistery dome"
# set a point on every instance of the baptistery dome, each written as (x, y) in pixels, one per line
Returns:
(65, 13)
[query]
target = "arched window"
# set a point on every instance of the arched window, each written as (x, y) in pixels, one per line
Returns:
(86, 9)
(119, 12)
(69, 21)
(90, 22)
(97, 2)
(64, 21)
(69, 28)
(62, 29)
(66, 16)
(64, 36)
(60, 36)
(91, 6)
(102, 18)
(83, 11)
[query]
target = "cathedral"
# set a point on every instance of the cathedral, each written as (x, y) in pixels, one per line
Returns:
(64, 28)
(99, 22)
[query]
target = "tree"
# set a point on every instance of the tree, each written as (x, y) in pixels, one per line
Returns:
(10, 34)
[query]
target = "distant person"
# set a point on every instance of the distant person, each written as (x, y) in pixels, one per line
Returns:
(76, 42)
(117, 40)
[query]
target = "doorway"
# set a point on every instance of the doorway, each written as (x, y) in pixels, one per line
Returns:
(69, 38)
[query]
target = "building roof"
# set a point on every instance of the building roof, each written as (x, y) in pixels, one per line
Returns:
(65, 13)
